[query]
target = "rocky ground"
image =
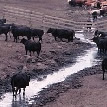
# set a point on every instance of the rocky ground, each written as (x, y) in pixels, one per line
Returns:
(74, 91)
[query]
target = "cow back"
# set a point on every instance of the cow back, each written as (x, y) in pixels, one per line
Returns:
(32, 46)
(20, 80)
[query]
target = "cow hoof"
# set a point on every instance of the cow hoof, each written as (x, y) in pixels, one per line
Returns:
(23, 94)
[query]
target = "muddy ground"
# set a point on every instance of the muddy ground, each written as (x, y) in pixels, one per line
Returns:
(53, 56)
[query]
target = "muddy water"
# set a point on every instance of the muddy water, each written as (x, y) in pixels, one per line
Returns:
(84, 61)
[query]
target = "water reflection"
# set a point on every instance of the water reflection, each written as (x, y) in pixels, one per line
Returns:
(18, 101)
(10, 101)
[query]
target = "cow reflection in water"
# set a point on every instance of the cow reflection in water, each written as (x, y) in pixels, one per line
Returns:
(18, 81)
(19, 101)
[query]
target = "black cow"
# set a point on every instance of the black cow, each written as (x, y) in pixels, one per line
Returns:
(37, 33)
(101, 33)
(96, 33)
(31, 46)
(101, 43)
(4, 29)
(18, 81)
(2, 21)
(102, 12)
(72, 3)
(20, 31)
(98, 5)
(104, 66)
(76, 3)
(62, 33)
(94, 15)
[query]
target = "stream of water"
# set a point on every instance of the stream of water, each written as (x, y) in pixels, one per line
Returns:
(84, 61)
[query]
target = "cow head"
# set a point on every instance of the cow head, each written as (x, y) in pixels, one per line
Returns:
(96, 39)
(23, 41)
(50, 30)
(2, 21)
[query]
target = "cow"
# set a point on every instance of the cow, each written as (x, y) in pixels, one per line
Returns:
(21, 30)
(62, 33)
(101, 33)
(101, 43)
(98, 5)
(2, 21)
(37, 33)
(104, 66)
(96, 33)
(102, 12)
(80, 3)
(99, 12)
(5, 29)
(31, 46)
(94, 15)
(72, 3)
(76, 3)
(18, 81)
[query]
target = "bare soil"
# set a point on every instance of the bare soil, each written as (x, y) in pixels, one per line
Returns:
(78, 90)
(92, 93)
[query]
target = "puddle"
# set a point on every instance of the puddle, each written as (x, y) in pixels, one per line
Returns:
(84, 61)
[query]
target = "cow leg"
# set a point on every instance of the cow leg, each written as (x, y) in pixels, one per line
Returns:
(55, 38)
(103, 74)
(15, 39)
(23, 91)
(33, 37)
(6, 37)
(68, 40)
(18, 37)
(61, 39)
(30, 53)
(13, 89)
(33, 52)
(19, 90)
(40, 38)
(38, 52)
(103, 68)
(26, 52)
(29, 37)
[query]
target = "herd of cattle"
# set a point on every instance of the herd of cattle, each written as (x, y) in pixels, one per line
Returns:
(87, 3)
(31, 33)
(98, 11)
(100, 38)
(21, 80)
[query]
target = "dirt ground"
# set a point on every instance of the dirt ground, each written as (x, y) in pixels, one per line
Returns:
(79, 90)
(93, 93)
